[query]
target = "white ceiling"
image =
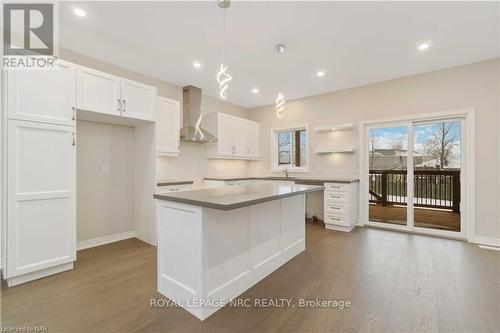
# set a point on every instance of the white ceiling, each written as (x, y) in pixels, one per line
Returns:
(355, 43)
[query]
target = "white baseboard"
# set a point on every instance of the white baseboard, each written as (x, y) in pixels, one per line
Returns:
(489, 247)
(104, 240)
(486, 241)
(14, 281)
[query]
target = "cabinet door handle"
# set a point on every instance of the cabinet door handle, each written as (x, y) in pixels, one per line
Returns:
(74, 139)
(124, 105)
(119, 104)
(74, 113)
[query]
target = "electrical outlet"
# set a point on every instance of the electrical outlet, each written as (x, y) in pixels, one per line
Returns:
(105, 169)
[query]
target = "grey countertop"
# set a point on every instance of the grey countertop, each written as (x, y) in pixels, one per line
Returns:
(173, 182)
(228, 179)
(297, 180)
(321, 181)
(227, 198)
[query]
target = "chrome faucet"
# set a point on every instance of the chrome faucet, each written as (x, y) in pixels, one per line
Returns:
(285, 170)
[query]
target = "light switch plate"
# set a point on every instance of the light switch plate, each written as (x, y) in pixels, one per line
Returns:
(105, 169)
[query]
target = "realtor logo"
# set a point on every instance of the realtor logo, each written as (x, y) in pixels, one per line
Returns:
(34, 23)
(28, 34)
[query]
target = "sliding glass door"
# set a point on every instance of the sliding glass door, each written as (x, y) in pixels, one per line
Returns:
(414, 176)
(437, 171)
(388, 174)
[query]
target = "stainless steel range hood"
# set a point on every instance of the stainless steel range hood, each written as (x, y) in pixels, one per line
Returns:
(191, 130)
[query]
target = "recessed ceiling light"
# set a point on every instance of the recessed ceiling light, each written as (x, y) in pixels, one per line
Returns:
(255, 90)
(320, 73)
(424, 46)
(79, 12)
(196, 64)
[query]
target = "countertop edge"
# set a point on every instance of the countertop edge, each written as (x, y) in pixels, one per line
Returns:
(174, 182)
(235, 205)
(229, 179)
(292, 179)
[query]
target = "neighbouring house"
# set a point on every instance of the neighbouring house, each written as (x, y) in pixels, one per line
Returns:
(392, 159)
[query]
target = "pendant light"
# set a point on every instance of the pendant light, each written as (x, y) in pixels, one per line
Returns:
(280, 99)
(223, 77)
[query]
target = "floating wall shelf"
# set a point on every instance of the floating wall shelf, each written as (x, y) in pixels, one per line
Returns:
(335, 150)
(333, 128)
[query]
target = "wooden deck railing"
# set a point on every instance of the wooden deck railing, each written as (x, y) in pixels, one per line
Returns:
(432, 188)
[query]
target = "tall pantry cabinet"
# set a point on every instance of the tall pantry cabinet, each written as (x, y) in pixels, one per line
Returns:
(38, 172)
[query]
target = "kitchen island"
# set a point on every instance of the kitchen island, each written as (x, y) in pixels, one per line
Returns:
(214, 244)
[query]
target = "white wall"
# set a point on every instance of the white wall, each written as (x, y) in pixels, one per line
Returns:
(475, 85)
(105, 202)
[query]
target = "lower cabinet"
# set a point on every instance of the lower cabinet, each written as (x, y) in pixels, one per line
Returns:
(211, 183)
(174, 188)
(40, 201)
(341, 206)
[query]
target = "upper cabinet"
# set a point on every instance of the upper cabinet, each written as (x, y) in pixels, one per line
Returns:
(167, 126)
(98, 91)
(105, 93)
(46, 96)
(237, 138)
(138, 100)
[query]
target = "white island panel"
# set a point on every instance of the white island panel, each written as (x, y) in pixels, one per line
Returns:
(209, 254)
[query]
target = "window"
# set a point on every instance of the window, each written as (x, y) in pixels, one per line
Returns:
(290, 149)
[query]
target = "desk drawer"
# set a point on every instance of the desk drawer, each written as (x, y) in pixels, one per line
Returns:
(336, 208)
(336, 187)
(335, 219)
(336, 196)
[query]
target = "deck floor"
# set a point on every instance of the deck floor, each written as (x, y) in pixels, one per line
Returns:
(425, 218)
(396, 282)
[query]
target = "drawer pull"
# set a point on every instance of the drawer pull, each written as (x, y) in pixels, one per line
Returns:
(335, 196)
(334, 219)
(336, 208)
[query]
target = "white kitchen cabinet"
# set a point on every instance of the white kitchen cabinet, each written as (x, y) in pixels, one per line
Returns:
(98, 91)
(42, 95)
(174, 188)
(237, 138)
(341, 206)
(167, 126)
(41, 200)
(108, 94)
(138, 100)
(214, 183)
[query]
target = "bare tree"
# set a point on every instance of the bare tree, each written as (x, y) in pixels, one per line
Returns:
(374, 143)
(441, 144)
(397, 143)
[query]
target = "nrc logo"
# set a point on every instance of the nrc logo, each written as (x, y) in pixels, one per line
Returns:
(28, 29)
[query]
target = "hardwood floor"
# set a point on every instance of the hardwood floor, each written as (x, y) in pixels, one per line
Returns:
(396, 282)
